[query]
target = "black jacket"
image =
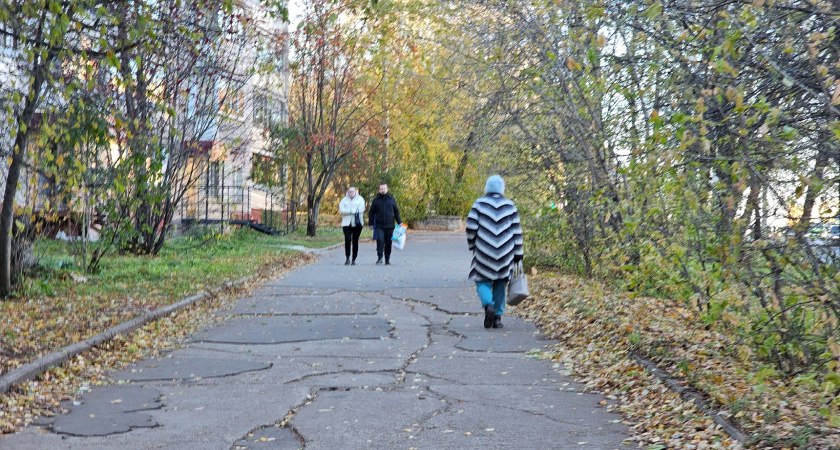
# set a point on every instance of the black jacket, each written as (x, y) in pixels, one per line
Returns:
(384, 210)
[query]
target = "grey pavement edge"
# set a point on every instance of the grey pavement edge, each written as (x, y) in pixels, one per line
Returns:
(345, 357)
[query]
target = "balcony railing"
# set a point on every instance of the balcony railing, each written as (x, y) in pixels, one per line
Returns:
(237, 205)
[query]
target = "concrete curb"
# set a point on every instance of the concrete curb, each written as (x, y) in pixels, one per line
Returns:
(688, 394)
(32, 369)
(331, 247)
(310, 250)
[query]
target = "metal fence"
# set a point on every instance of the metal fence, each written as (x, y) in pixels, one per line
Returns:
(237, 205)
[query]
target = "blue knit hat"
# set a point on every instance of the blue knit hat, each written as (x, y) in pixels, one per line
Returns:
(495, 185)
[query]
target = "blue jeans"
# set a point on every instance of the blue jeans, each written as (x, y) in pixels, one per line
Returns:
(493, 293)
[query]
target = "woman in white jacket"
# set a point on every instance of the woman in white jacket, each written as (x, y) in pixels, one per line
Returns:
(352, 210)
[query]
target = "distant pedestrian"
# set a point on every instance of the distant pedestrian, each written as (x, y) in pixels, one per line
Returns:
(494, 235)
(352, 209)
(383, 213)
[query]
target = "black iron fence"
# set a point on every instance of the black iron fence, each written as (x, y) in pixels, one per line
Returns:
(237, 205)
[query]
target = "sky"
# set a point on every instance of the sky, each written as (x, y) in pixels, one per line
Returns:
(294, 13)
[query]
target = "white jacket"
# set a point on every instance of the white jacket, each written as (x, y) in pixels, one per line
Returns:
(348, 207)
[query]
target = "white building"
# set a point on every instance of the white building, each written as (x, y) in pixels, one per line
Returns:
(242, 181)
(224, 127)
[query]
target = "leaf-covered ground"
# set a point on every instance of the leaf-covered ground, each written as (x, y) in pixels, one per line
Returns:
(57, 311)
(599, 328)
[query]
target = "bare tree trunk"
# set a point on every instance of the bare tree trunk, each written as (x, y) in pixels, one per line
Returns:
(7, 214)
(294, 200)
(465, 158)
(814, 189)
(7, 219)
(312, 208)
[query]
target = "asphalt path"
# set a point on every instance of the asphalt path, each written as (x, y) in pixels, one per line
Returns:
(345, 357)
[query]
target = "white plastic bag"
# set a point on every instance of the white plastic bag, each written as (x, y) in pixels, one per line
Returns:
(399, 237)
(399, 243)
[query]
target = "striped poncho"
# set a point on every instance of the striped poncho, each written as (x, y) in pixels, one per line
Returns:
(495, 236)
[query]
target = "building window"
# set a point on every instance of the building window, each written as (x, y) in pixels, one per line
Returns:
(213, 179)
(281, 112)
(267, 110)
(262, 111)
(237, 192)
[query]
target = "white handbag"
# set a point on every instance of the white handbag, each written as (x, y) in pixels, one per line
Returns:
(518, 286)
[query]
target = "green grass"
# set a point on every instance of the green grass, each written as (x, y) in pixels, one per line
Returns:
(52, 309)
(325, 237)
(185, 264)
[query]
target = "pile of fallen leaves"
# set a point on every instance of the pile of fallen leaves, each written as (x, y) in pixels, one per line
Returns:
(600, 330)
(41, 397)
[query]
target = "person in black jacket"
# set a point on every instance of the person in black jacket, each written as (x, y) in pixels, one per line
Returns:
(383, 214)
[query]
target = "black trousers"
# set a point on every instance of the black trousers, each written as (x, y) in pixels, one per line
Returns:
(351, 238)
(383, 242)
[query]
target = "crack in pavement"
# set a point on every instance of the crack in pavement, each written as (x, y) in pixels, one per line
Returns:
(292, 329)
(269, 289)
(443, 329)
(447, 407)
(432, 305)
(272, 294)
(219, 350)
(273, 435)
(296, 341)
(465, 337)
(398, 374)
(341, 372)
(284, 423)
(526, 411)
(413, 356)
(257, 315)
(192, 378)
(108, 410)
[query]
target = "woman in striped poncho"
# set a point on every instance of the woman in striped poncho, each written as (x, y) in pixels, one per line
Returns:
(494, 235)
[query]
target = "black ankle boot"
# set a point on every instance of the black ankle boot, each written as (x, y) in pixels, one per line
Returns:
(347, 262)
(489, 315)
(497, 322)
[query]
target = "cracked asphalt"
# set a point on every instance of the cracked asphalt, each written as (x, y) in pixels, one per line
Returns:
(345, 357)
